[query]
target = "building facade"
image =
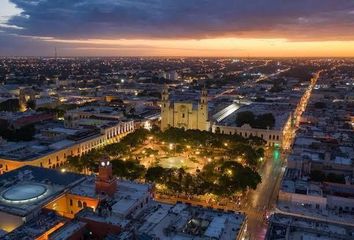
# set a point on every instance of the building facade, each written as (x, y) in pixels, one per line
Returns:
(56, 157)
(184, 114)
(272, 137)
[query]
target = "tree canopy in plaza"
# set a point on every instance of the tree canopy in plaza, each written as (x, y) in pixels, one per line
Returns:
(222, 177)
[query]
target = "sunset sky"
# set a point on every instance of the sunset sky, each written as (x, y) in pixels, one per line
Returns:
(237, 28)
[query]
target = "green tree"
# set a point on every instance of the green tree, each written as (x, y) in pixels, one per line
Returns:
(75, 163)
(135, 138)
(91, 159)
(115, 149)
(249, 154)
(86, 162)
(128, 169)
(264, 121)
(150, 151)
(256, 141)
(246, 117)
(234, 177)
(155, 174)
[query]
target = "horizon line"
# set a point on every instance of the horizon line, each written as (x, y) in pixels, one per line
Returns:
(164, 56)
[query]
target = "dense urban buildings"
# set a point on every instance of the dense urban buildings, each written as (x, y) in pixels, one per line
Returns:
(179, 148)
(176, 120)
(39, 203)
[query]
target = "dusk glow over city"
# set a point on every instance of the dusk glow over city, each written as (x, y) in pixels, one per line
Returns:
(176, 119)
(304, 28)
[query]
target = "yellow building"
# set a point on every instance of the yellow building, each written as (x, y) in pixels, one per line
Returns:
(56, 157)
(184, 114)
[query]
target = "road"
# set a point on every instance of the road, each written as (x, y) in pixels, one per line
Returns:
(259, 202)
(240, 73)
(262, 201)
(265, 76)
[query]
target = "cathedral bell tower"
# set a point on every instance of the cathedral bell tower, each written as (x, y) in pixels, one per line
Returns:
(105, 182)
(204, 97)
(203, 110)
(165, 94)
(165, 108)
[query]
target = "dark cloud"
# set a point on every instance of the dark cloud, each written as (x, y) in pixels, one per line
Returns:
(12, 45)
(15, 45)
(292, 19)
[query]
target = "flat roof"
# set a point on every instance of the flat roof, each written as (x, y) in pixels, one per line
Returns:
(36, 227)
(127, 192)
(28, 188)
(280, 113)
(305, 228)
(27, 151)
(181, 221)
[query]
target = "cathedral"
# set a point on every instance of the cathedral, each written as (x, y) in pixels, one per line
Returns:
(184, 114)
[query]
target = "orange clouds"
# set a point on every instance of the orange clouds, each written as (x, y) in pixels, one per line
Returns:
(207, 47)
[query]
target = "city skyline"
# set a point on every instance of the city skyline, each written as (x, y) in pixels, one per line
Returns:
(177, 28)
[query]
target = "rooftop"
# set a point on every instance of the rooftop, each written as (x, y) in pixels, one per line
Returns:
(28, 188)
(36, 227)
(280, 111)
(289, 227)
(182, 221)
(29, 150)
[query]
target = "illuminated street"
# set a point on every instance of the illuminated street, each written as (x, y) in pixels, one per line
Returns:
(260, 203)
